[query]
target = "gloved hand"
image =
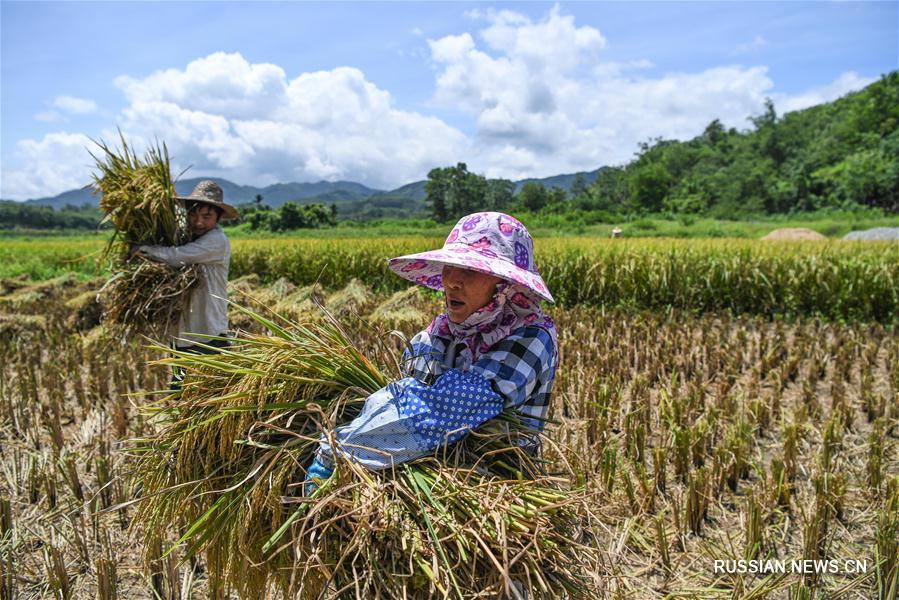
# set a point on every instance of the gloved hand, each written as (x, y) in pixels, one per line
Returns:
(316, 471)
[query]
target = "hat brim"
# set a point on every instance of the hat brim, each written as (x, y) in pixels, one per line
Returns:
(426, 268)
(229, 211)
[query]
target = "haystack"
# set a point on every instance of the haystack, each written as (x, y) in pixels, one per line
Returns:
(281, 301)
(228, 466)
(11, 284)
(281, 287)
(85, 311)
(42, 297)
(20, 329)
(138, 197)
(104, 339)
(794, 234)
(243, 285)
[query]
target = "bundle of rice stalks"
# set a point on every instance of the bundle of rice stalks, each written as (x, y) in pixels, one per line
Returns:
(147, 296)
(282, 301)
(300, 304)
(11, 284)
(351, 300)
(138, 197)
(243, 285)
(20, 328)
(406, 310)
(227, 468)
(104, 339)
(42, 297)
(85, 311)
(281, 287)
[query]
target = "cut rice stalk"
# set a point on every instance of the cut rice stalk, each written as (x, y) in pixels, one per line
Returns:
(230, 459)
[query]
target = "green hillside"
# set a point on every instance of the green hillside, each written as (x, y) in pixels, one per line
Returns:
(841, 154)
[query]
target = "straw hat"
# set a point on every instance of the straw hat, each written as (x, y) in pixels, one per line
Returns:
(209, 192)
(489, 242)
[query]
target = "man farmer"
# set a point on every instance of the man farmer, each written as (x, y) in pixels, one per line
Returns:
(206, 312)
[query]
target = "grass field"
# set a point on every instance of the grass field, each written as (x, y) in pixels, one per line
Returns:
(698, 437)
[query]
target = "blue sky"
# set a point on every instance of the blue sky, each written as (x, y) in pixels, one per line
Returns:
(380, 93)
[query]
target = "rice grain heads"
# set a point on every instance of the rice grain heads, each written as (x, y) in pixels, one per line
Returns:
(138, 198)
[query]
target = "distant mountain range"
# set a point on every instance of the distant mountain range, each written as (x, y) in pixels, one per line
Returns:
(349, 196)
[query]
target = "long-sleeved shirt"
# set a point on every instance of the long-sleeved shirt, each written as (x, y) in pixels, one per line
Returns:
(207, 308)
(437, 404)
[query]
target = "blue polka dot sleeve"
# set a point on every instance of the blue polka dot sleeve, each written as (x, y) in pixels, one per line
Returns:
(408, 419)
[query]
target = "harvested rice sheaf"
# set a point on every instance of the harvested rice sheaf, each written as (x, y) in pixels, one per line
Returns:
(86, 311)
(408, 311)
(41, 297)
(353, 299)
(138, 197)
(20, 329)
(281, 301)
(227, 465)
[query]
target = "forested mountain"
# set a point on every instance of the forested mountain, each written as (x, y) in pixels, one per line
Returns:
(841, 154)
(274, 195)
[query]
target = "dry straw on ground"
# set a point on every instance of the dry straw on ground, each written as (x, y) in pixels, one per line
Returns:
(696, 437)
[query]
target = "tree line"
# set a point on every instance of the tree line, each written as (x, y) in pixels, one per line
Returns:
(289, 216)
(33, 216)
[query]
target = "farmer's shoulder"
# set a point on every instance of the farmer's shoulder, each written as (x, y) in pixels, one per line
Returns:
(533, 337)
(216, 238)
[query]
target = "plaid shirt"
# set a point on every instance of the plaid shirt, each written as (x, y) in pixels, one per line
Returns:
(520, 368)
(437, 404)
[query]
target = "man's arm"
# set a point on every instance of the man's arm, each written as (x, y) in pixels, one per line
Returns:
(208, 249)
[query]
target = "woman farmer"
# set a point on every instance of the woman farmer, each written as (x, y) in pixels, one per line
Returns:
(492, 349)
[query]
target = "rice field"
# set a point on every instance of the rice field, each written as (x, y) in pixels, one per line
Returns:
(834, 280)
(699, 438)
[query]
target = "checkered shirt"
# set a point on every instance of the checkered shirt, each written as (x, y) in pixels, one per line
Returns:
(520, 368)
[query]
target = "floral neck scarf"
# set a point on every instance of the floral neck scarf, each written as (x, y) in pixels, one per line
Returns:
(511, 308)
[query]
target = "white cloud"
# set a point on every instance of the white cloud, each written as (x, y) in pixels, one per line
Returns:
(845, 83)
(757, 43)
(224, 116)
(55, 164)
(48, 116)
(544, 101)
(250, 123)
(540, 94)
(219, 84)
(78, 106)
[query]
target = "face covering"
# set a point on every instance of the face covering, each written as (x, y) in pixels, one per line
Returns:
(511, 308)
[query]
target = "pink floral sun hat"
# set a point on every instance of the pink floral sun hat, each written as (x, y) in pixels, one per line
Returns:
(489, 242)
